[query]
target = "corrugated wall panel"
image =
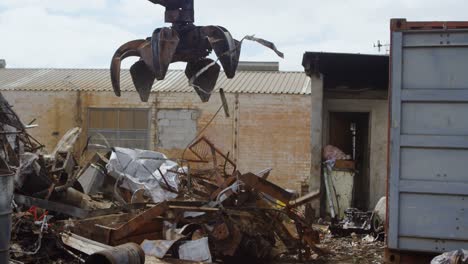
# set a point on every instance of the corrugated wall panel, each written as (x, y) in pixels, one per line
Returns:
(428, 183)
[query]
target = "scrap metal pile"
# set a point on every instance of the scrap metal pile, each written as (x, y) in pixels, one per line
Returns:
(127, 205)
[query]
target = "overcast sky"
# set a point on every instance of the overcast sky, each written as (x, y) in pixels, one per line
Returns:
(85, 33)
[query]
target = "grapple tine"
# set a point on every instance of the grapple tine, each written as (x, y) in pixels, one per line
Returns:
(164, 44)
(143, 79)
(225, 46)
(128, 49)
(206, 81)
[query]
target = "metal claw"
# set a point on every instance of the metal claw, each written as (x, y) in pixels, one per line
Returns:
(142, 71)
(139, 48)
(225, 46)
(164, 44)
(206, 80)
(182, 42)
(143, 79)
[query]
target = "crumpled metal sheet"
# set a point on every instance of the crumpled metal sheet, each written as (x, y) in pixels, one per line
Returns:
(28, 166)
(157, 248)
(67, 142)
(454, 257)
(142, 169)
(267, 44)
(196, 250)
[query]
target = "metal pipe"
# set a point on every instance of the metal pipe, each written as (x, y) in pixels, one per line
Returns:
(6, 196)
(326, 177)
(354, 132)
(129, 253)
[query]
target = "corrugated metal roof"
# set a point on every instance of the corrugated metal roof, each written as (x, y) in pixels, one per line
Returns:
(99, 80)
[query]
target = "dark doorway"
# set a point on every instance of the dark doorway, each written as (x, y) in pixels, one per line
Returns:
(341, 126)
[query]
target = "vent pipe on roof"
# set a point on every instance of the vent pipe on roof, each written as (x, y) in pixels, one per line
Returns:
(258, 66)
(2, 64)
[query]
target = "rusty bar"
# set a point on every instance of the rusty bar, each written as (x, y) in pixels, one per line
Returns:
(259, 184)
(139, 221)
(304, 199)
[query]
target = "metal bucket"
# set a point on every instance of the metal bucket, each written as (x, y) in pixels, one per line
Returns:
(6, 195)
(130, 253)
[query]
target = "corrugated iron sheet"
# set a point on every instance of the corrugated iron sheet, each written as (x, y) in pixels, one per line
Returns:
(99, 80)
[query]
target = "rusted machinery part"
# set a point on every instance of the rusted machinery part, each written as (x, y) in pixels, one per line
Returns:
(177, 11)
(130, 253)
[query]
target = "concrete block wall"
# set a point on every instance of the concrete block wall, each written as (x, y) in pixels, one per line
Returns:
(176, 128)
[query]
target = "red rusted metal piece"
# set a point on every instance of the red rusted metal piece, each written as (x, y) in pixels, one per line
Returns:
(118, 229)
(402, 257)
(403, 25)
(264, 186)
(206, 151)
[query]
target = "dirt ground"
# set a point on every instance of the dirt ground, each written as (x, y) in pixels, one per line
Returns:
(350, 250)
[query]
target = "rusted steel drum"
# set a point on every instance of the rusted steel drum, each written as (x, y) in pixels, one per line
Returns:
(130, 253)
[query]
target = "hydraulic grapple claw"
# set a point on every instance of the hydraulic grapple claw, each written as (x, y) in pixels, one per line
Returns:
(183, 42)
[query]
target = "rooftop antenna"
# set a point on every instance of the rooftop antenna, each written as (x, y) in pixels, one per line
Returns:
(379, 46)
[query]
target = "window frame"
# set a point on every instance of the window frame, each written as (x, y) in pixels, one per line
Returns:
(118, 130)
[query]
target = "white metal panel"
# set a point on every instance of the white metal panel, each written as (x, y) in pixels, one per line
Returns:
(433, 164)
(435, 68)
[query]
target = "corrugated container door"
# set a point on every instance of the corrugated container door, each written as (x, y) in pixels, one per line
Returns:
(428, 180)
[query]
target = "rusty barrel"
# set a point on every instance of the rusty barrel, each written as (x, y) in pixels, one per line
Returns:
(130, 253)
(6, 195)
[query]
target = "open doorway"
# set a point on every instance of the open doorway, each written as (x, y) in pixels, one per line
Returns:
(349, 131)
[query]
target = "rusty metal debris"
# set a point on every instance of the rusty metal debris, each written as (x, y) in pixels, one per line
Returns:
(127, 253)
(358, 222)
(200, 209)
(182, 42)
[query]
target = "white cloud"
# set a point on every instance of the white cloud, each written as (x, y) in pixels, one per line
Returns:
(46, 40)
(91, 30)
(56, 5)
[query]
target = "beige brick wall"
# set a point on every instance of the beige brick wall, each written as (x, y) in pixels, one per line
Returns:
(263, 130)
(274, 132)
(55, 113)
